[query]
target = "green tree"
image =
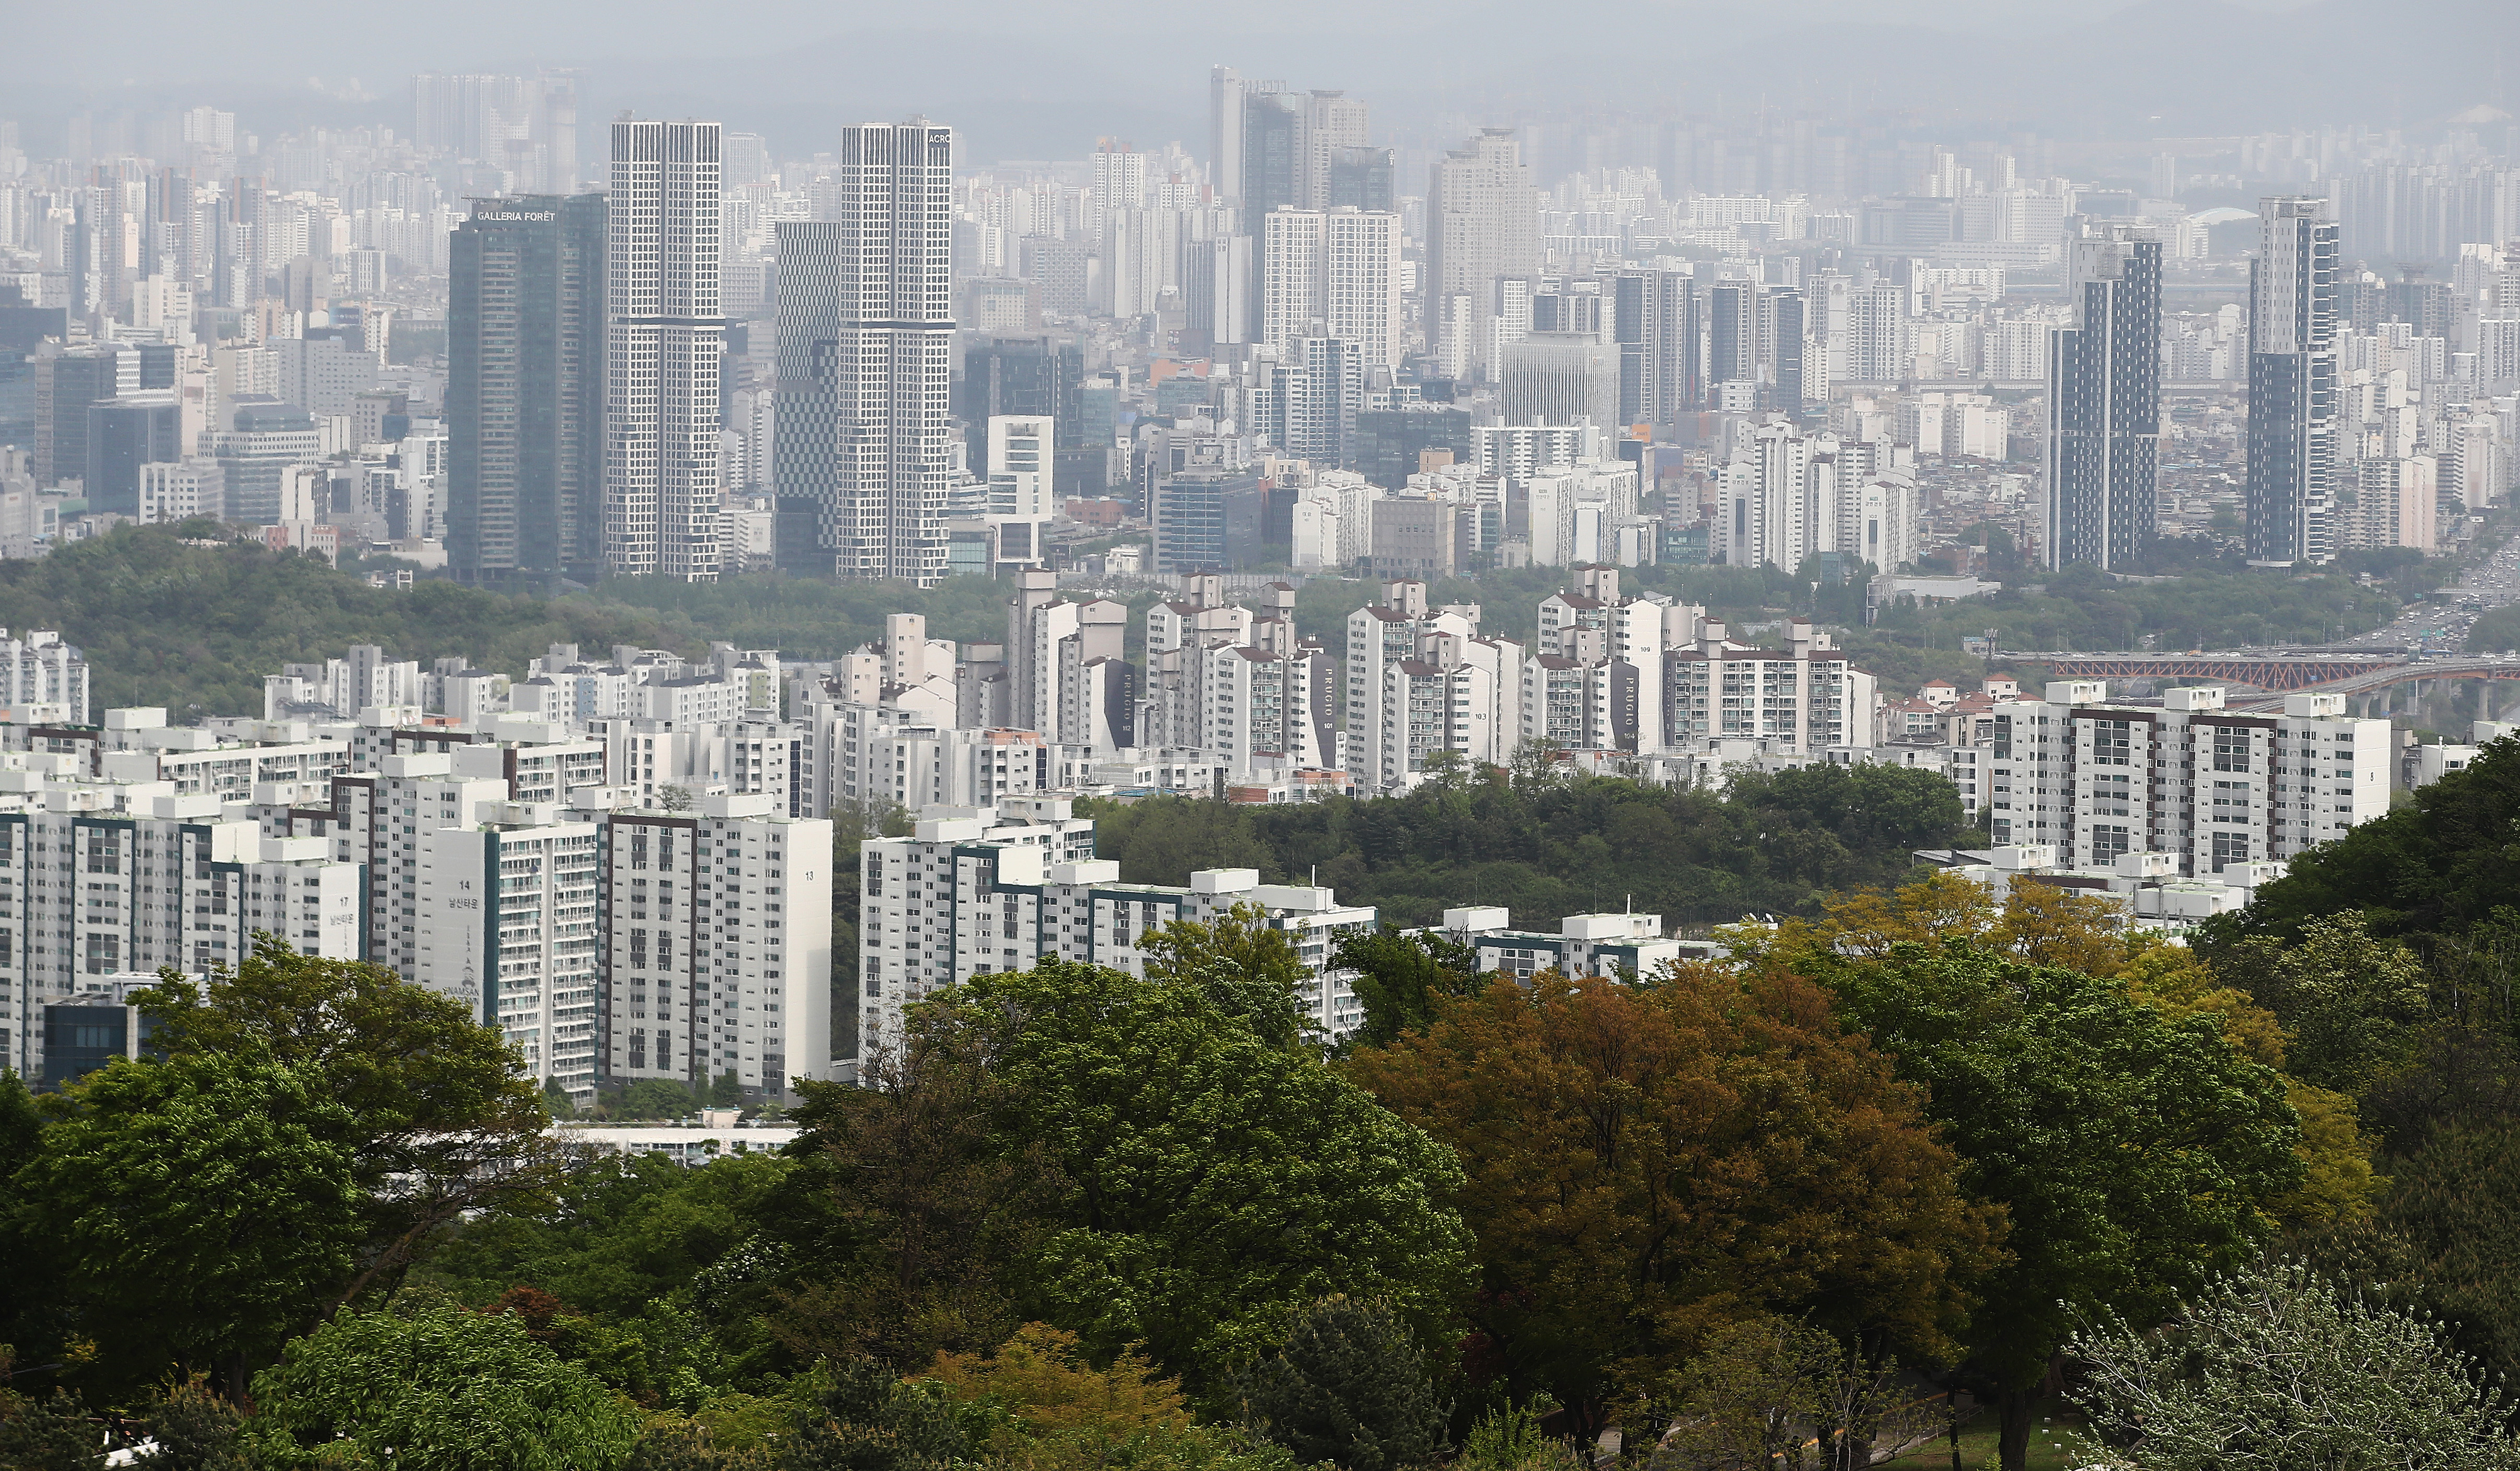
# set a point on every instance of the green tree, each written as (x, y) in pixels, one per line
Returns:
(728, 1090)
(868, 1420)
(2274, 1368)
(1350, 1388)
(2354, 1009)
(654, 1098)
(912, 1207)
(2131, 1151)
(207, 1208)
(1771, 1394)
(1209, 1180)
(557, 1101)
(32, 1301)
(614, 1235)
(2454, 1207)
(443, 1120)
(1166, 839)
(197, 1430)
(54, 1432)
(1248, 969)
(1399, 978)
(195, 628)
(436, 1389)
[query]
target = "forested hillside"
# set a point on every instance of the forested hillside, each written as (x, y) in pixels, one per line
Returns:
(196, 627)
(1772, 844)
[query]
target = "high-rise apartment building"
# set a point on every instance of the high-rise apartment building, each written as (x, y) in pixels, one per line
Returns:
(2292, 383)
(1658, 330)
(664, 340)
(1333, 273)
(2104, 401)
(524, 389)
(1290, 276)
(866, 340)
(1482, 223)
(963, 896)
(2209, 786)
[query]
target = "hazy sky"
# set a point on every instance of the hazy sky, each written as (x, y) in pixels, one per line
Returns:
(1039, 79)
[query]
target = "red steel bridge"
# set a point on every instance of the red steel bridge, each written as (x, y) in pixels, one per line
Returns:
(2267, 671)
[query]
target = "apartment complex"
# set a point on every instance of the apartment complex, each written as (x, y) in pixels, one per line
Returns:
(2212, 786)
(989, 890)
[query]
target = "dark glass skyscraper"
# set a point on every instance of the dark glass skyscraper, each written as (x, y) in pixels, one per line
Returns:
(123, 434)
(2292, 383)
(1042, 374)
(1363, 177)
(2104, 401)
(1732, 333)
(524, 389)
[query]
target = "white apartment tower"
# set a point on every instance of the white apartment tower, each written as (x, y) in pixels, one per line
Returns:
(2214, 786)
(1482, 222)
(2292, 458)
(1333, 273)
(719, 944)
(664, 339)
(891, 354)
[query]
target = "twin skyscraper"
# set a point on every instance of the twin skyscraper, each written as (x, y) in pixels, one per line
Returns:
(587, 339)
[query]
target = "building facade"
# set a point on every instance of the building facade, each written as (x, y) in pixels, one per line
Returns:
(2104, 402)
(2293, 448)
(664, 341)
(524, 389)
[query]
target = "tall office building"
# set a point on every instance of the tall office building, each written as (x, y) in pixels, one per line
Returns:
(2104, 401)
(1009, 374)
(123, 434)
(664, 340)
(1783, 327)
(1216, 288)
(1731, 332)
(524, 389)
(65, 383)
(866, 354)
(1292, 145)
(1658, 328)
(1482, 223)
(1228, 95)
(1364, 178)
(2292, 383)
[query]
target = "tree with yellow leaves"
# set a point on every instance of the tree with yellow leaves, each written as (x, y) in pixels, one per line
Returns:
(1054, 1411)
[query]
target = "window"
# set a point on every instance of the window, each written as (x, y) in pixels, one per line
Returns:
(2230, 749)
(2111, 740)
(2107, 843)
(2229, 848)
